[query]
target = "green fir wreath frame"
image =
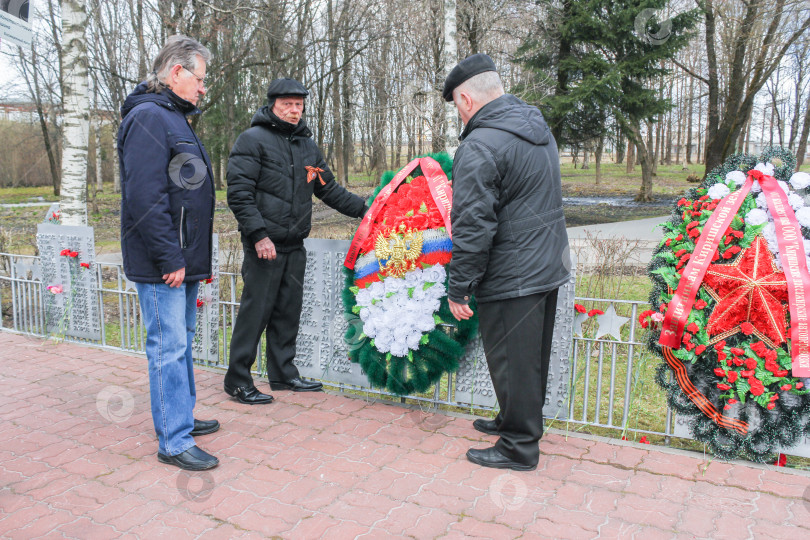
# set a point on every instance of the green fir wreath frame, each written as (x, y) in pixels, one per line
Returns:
(770, 430)
(440, 349)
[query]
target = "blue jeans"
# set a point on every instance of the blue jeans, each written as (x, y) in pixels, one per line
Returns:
(170, 316)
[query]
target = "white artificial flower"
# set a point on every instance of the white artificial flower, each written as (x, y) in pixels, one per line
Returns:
(376, 290)
(399, 348)
(364, 314)
(363, 297)
(765, 168)
(718, 191)
(755, 187)
(756, 217)
(762, 202)
(796, 201)
(370, 328)
(803, 216)
(413, 339)
(425, 323)
(800, 180)
(394, 285)
(785, 187)
(769, 232)
(806, 247)
(434, 274)
(738, 177)
(413, 277)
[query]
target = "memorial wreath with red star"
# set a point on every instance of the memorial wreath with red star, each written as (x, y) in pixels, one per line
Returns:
(730, 300)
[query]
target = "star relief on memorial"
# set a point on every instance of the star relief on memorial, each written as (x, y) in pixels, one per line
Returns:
(750, 290)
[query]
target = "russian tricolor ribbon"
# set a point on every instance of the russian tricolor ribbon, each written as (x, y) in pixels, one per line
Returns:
(439, 188)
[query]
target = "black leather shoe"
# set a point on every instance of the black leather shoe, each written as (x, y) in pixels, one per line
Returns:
(297, 385)
(486, 426)
(193, 459)
(249, 396)
(490, 457)
(204, 427)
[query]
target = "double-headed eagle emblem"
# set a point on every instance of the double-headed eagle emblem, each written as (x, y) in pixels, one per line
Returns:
(400, 249)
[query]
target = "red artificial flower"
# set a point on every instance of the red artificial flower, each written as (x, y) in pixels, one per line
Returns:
(757, 388)
(679, 238)
(687, 337)
(662, 308)
(624, 438)
(781, 373)
(732, 376)
(668, 242)
(720, 345)
(729, 363)
(750, 363)
(580, 308)
(73, 254)
(700, 304)
(723, 386)
(799, 385)
(747, 373)
(699, 349)
(84, 265)
(720, 372)
(781, 461)
(689, 346)
(64, 252)
(771, 406)
(726, 407)
(774, 397)
(681, 252)
(200, 303)
(732, 401)
(738, 361)
(747, 328)
(644, 440)
(594, 312)
(738, 351)
(786, 387)
(684, 202)
(693, 328)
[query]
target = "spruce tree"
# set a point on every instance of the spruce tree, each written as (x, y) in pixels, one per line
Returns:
(607, 58)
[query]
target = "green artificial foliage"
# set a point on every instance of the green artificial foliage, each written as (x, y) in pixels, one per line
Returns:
(440, 350)
(769, 430)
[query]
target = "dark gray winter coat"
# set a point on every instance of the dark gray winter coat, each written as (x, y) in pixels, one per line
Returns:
(509, 237)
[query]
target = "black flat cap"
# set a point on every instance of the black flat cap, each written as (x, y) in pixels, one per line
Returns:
(467, 68)
(285, 87)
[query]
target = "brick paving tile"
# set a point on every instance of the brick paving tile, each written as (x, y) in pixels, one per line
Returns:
(472, 528)
(322, 465)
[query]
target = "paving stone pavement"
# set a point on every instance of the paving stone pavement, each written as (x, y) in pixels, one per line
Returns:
(77, 460)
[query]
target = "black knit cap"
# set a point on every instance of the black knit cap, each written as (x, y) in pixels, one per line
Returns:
(467, 68)
(285, 87)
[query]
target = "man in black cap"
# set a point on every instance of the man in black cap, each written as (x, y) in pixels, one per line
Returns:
(273, 170)
(510, 250)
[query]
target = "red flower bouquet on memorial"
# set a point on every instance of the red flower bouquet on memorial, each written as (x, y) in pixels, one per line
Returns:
(401, 330)
(730, 278)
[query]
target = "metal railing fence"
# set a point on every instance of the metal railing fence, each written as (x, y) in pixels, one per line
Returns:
(611, 377)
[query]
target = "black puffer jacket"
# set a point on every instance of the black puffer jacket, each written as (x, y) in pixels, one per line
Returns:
(509, 237)
(268, 190)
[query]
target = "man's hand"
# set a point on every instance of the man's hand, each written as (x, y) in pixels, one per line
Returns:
(175, 279)
(460, 311)
(266, 249)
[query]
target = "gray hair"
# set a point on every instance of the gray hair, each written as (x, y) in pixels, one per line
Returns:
(483, 87)
(179, 49)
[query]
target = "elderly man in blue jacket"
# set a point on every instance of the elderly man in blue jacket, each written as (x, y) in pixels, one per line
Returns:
(167, 212)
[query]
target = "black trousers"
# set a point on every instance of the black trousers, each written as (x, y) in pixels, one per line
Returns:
(517, 335)
(271, 303)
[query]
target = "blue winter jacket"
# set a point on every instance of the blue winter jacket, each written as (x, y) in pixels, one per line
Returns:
(167, 192)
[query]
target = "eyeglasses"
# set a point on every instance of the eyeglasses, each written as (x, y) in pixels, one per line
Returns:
(200, 80)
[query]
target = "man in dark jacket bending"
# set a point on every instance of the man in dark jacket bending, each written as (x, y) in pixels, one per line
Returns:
(510, 250)
(273, 170)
